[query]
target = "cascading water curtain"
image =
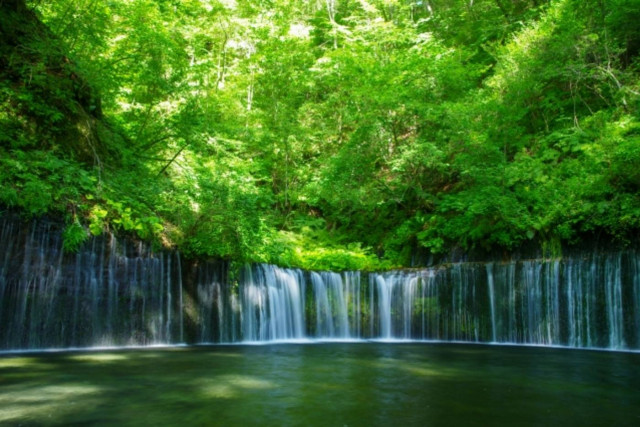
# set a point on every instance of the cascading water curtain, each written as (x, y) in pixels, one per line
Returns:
(272, 303)
(583, 301)
(107, 294)
(113, 293)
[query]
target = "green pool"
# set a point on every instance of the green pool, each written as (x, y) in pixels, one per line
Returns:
(330, 384)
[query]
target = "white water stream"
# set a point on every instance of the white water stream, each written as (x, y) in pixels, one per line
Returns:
(114, 293)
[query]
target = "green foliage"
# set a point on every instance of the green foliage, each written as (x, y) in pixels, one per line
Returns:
(97, 217)
(314, 250)
(73, 237)
(39, 181)
(326, 136)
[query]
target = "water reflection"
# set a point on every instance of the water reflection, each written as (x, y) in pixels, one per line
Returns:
(323, 384)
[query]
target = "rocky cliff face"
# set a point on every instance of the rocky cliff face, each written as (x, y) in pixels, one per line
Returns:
(47, 103)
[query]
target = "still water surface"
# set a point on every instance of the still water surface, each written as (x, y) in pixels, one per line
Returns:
(330, 384)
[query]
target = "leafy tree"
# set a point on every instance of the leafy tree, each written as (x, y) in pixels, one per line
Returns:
(335, 134)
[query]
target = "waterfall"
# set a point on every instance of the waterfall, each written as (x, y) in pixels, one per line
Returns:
(385, 289)
(332, 282)
(107, 294)
(181, 300)
(635, 274)
(272, 302)
(353, 303)
(115, 292)
(613, 292)
(398, 298)
(324, 314)
(492, 300)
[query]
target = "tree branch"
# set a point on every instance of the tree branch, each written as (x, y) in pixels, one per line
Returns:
(173, 159)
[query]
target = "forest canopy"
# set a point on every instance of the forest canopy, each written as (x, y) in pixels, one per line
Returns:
(333, 134)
